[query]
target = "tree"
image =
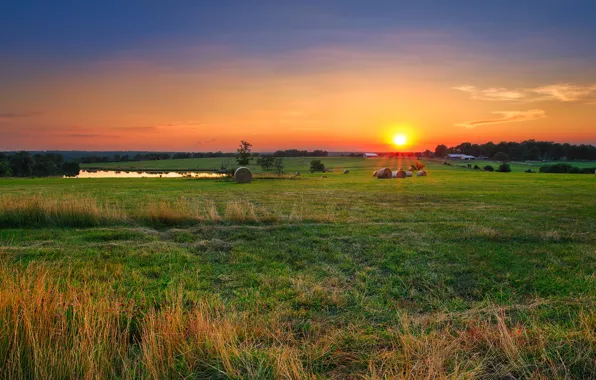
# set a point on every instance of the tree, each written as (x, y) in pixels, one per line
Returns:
(317, 166)
(279, 165)
(534, 153)
(5, 170)
(71, 169)
(441, 151)
(501, 156)
(266, 162)
(22, 164)
(243, 153)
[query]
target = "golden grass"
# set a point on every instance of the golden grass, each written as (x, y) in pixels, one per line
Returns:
(77, 211)
(54, 329)
(66, 210)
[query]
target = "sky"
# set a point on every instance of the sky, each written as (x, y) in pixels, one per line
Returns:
(336, 75)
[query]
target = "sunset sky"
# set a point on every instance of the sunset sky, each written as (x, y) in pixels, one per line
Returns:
(336, 75)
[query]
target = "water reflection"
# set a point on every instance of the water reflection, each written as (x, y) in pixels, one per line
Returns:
(129, 174)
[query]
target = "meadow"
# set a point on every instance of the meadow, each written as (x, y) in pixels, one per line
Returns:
(461, 274)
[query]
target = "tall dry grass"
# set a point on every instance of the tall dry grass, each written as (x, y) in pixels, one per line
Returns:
(54, 329)
(78, 211)
(75, 211)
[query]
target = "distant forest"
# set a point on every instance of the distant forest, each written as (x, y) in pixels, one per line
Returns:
(529, 150)
(59, 163)
(50, 164)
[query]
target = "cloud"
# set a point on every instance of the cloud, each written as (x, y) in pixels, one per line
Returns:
(17, 115)
(564, 92)
(494, 94)
(506, 117)
(567, 92)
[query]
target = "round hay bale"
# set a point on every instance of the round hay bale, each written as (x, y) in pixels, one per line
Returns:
(243, 175)
(346, 171)
(408, 173)
(421, 173)
(297, 174)
(400, 174)
(384, 173)
(324, 176)
(375, 173)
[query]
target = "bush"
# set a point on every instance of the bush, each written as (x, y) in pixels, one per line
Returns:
(489, 168)
(566, 168)
(317, 166)
(476, 167)
(504, 168)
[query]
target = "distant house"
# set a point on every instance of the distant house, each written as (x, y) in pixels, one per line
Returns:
(458, 156)
(370, 155)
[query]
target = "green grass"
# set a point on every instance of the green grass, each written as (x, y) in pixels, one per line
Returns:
(462, 273)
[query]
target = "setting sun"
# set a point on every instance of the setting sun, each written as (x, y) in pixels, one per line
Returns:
(399, 140)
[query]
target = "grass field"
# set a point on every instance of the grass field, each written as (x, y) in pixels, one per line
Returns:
(461, 274)
(302, 164)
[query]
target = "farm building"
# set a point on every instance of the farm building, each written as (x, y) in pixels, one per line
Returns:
(370, 155)
(458, 156)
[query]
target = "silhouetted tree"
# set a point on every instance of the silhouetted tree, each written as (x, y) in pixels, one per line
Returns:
(501, 156)
(441, 151)
(279, 165)
(22, 164)
(266, 162)
(243, 153)
(71, 169)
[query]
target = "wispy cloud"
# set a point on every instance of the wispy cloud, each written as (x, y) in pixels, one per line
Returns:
(506, 117)
(564, 92)
(568, 92)
(495, 94)
(17, 115)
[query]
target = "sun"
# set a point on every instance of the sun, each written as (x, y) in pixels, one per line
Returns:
(399, 140)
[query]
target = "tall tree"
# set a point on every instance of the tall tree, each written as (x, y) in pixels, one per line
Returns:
(243, 153)
(22, 164)
(441, 151)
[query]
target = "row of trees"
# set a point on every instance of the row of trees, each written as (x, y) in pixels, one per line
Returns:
(23, 164)
(97, 159)
(525, 150)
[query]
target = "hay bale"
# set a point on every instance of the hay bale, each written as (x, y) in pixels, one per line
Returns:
(346, 171)
(324, 176)
(399, 174)
(384, 173)
(409, 173)
(243, 175)
(421, 173)
(297, 174)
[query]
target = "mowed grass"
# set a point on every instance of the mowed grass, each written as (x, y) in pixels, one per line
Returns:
(461, 274)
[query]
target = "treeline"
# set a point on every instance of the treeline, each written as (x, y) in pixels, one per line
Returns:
(529, 150)
(23, 164)
(93, 159)
(300, 153)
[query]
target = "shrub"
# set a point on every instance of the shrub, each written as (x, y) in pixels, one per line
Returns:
(504, 168)
(317, 166)
(476, 167)
(489, 168)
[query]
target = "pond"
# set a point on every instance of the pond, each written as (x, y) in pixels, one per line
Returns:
(139, 174)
